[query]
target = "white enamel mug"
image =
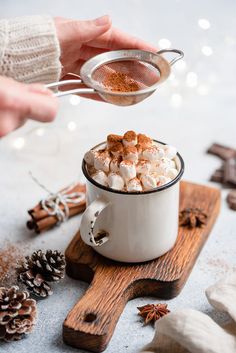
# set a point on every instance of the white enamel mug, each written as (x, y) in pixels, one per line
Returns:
(134, 226)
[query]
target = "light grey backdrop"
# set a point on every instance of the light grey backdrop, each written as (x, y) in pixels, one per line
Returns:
(189, 117)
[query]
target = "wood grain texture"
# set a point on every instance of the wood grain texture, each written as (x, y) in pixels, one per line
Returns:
(91, 323)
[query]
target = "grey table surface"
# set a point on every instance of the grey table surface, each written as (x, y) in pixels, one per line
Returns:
(188, 111)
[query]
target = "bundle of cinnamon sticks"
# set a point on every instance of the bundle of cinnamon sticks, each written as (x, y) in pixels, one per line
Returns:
(41, 220)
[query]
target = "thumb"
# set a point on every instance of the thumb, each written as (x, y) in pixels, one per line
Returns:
(86, 31)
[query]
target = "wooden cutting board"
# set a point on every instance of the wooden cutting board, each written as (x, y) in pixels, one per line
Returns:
(91, 323)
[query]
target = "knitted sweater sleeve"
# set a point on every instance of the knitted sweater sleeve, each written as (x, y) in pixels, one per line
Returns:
(29, 49)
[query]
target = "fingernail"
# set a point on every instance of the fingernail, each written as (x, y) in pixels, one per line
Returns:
(102, 21)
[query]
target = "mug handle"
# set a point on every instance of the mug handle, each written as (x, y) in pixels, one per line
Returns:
(89, 219)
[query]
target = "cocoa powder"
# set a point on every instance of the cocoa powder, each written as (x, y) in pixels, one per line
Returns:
(120, 82)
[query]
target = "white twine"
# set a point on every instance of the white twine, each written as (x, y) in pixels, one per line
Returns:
(51, 204)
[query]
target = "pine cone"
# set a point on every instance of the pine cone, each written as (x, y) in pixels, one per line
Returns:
(18, 313)
(40, 268)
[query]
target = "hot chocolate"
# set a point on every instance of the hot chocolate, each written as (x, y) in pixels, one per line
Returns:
(132, 162)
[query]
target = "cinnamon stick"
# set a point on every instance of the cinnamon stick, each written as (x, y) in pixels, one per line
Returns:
(42, 221)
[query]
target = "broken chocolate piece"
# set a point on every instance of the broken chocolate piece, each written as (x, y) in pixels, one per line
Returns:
(231, 199)
(218, 175)
(230, 171)
(221, 151)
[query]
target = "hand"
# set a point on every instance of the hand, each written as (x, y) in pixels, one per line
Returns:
(19, 101)
(81, 40)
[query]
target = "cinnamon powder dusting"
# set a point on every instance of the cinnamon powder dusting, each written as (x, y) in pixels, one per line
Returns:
(120, 82)
(10, 256)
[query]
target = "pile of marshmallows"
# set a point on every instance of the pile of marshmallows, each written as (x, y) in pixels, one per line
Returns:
(132, 163)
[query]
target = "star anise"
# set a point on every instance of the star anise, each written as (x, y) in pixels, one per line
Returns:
(192, 217)
(153, 312)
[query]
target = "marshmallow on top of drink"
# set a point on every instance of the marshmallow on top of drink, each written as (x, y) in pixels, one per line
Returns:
(132, 162)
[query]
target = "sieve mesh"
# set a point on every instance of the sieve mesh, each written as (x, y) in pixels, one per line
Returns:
(126, 76)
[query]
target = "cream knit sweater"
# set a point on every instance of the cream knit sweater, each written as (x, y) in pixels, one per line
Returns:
(29, 49)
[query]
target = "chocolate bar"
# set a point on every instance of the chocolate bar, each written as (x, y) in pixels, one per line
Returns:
(218, 175)
(230, 171)
(231, 199)
(222, 151)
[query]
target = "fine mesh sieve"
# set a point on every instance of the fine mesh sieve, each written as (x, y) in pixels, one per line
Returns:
(122, 77)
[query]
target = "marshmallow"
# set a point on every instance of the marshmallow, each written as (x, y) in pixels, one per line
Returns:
(115, 163)
(100, 177)
(168, 162)
(170, 151)
(163, 166)
(155, 166)
(89, 157)
(91, 170)
(131, 154)
(171, 172)
(143, 167)
(144, 141)
(113, 139)
(127, 170)
(102, 161)
(155, 175)
(139, 150)
(115, 181)
(153, 153)
(132, 162)
(117, 149)
(134, 185)
(130, 138)
(163, 180)
(148, 181)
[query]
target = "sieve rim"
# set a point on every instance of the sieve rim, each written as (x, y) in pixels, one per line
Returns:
(90, 66)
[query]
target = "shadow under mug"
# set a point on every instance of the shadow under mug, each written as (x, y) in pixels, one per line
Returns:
(134, 226)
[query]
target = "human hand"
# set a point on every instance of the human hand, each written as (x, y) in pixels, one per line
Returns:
(81, 40)
(19, 101)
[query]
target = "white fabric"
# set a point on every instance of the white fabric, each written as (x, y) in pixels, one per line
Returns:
(29, 49)
(192, 331)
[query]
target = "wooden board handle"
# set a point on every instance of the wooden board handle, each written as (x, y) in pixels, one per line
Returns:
(90, 324)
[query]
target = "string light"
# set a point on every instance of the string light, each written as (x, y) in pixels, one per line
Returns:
(164, 43)
(206, 50)
(203, 23)
(40, 132)
(71, 126)
(74, 100)
(191, 79)
(19, 143)
(176, 100)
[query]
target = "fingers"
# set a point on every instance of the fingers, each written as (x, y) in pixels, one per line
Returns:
(40, 107)
(84, 31)
(39, 88)
(115, 39)
(76, 33)
(19, 101)
(9, 121)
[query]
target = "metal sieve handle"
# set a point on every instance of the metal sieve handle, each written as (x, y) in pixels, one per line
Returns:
(173, 61)
(72, 91)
